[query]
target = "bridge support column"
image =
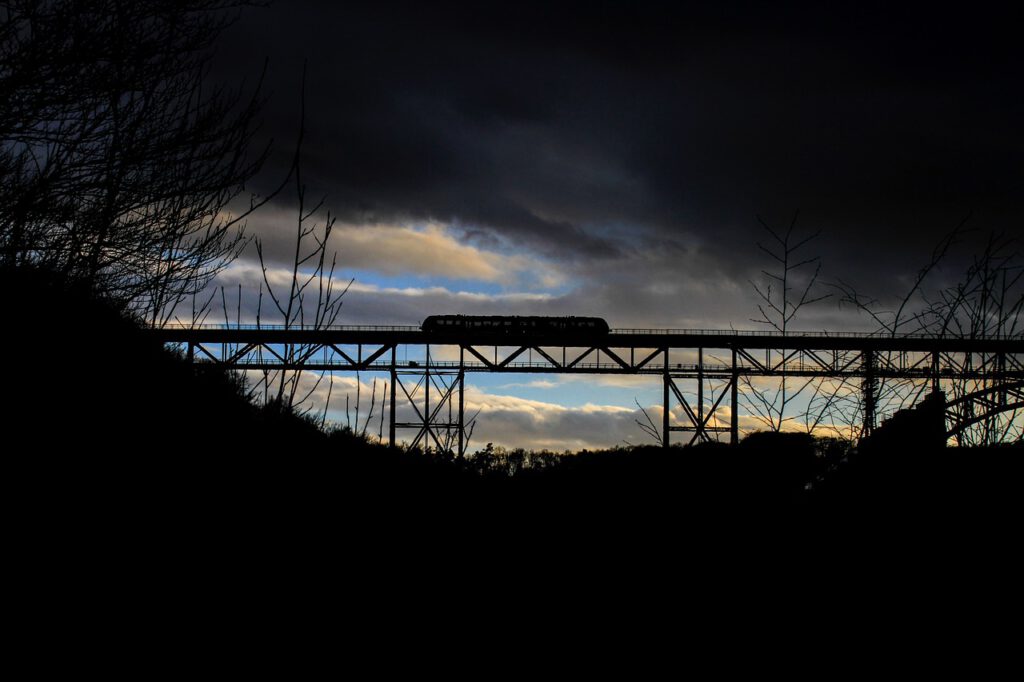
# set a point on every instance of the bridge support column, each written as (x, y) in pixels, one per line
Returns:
(667, 380)
(700, 420)
(394, 386)
(462, 402)
(434, 397)
(426, 400)
(734, 417)
(699, 433)
(869, 388)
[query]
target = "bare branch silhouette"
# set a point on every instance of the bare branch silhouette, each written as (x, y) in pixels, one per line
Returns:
(648, 426)
(986, 302)
(121, 164)
(311, 298)
(778, 307)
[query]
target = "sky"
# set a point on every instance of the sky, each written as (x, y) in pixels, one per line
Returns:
(621, 159)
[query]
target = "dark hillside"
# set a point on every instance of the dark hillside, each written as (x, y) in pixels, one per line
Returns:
(106, 428)
(98, 415)
(86, 380)
(95, 395)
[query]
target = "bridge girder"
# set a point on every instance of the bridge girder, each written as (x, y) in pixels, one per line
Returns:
(716, 361)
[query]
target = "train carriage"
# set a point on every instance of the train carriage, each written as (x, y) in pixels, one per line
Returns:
(515, 325)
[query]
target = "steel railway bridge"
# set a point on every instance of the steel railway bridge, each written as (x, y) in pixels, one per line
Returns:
(984, 375)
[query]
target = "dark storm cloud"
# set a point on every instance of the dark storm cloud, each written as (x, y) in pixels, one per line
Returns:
(580, 129)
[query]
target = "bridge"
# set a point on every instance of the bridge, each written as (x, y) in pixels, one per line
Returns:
(985, 376)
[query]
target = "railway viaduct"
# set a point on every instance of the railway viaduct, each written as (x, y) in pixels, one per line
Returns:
(984, 377)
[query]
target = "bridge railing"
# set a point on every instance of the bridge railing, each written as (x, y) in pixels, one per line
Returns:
(612, 332)
(767, 332)
(277, 327)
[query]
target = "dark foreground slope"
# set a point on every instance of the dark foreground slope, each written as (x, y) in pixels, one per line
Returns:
(98, 408)
(152, 511)
(104, 426)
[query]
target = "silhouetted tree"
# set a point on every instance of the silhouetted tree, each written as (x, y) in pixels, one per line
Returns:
(986, 302)
(310, 297)
(119, 164)
(785, 289)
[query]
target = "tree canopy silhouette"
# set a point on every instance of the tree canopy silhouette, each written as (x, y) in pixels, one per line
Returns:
(118, 161)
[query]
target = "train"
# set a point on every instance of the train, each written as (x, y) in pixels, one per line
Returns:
(515, 325)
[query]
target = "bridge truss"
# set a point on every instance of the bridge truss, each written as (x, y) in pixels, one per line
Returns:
(704, 373)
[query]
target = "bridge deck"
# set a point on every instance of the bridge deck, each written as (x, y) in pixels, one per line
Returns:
(617, 338)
